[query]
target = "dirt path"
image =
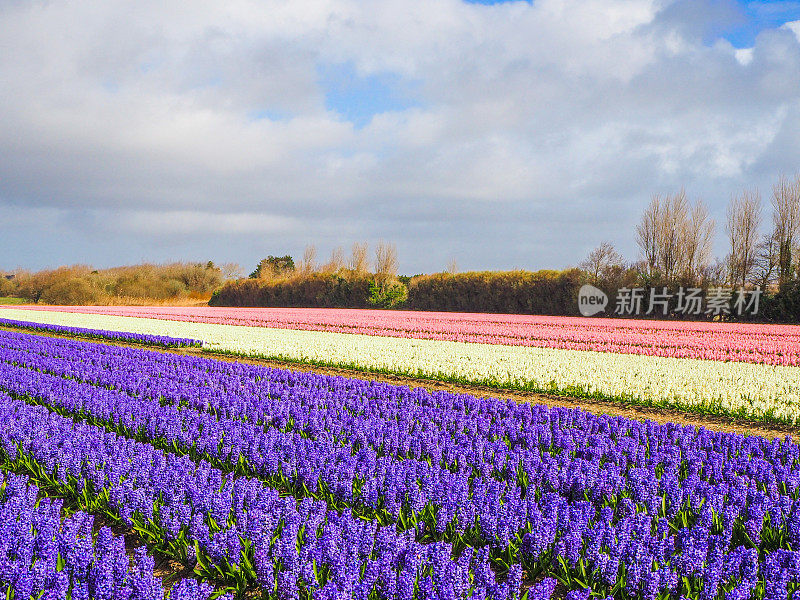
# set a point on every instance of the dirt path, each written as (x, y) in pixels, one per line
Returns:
(631, 411)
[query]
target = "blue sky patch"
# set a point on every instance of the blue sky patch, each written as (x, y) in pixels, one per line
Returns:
(358, 98)
(756, 16)
(759, 16)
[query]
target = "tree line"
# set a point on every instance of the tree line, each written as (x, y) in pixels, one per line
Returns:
(177, 282)
(352, 282)
(674, 236)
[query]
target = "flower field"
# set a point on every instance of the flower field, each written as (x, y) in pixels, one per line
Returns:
(769, 344)
(116, 336)
(754, 390)
(48, 555)
(275, 484)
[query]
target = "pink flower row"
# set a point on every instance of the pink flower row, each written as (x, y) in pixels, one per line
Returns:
(770, 344)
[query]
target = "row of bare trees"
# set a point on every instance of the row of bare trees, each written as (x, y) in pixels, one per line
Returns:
(337, 283)
(384, 265)
(769, 258)
(675, 238)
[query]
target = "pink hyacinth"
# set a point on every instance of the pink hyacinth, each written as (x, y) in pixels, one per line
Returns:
(769, 344)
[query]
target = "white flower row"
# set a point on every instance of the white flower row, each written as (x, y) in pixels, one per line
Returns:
(753, 389)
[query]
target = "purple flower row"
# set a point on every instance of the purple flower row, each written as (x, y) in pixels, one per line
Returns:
(117, 336)
(393, 489)
(45, 556)
(244, 532)
(519, 452)
(676, 504)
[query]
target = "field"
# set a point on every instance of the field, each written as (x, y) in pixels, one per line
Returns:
(264, 482)
(744, 371)
(769, 344)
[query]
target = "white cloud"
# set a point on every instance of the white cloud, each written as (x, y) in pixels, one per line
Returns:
(173, 222)
(744, 56)
(795, 27)
(524, 114)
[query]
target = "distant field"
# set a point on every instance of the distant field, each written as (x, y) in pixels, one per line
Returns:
(10, 300)
(737, 370)
(739, 342)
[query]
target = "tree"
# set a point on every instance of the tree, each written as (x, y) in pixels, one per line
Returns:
(743, 221)
(600, 260)
(309, 262)
(452, 266)
(71, 291)
(273, 266)
(786, 219)
(670, 235)
(7, 285)
(359, 261)
(659, 234)
(335, 262)
(230, 271)
(647, 233)
(696, 239)
(715, 273)
(385, 261)
(33, 285)
(765, 265)
(674, 238)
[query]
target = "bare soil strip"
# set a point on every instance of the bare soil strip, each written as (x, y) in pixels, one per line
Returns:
(631, 411)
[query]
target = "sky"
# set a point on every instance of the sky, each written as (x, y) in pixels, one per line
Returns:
(499, 135)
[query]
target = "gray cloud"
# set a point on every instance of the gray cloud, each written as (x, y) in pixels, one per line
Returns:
(147, 130)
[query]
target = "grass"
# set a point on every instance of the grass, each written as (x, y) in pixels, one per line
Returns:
(12, 300)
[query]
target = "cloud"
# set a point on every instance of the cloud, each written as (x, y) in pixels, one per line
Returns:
(512, 134)
(181, 223)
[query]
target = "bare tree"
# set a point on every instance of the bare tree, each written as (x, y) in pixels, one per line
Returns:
(452, 266)
(647, 233)
(715, 273)
(675, 238)
(336, 261)
(743, 221)
(674, 216)
(359, 258)
(309, 262)
(600, 260)
(786, 219)
(385, 261)
(231, 270)
(765, 264)
(696, 239)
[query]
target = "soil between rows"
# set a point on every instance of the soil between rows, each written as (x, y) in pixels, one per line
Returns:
(632, 411)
